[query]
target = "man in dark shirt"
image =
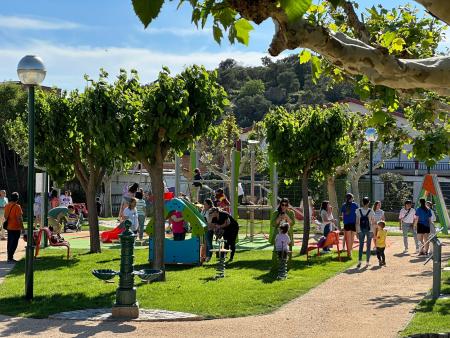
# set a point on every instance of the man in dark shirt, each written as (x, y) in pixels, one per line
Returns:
(230, 227)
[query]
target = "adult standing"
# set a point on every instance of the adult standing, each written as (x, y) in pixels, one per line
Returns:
(13, 214)
(230, 227)
(240, 193)
(328, 221)
(207, 205)
(348, 212)
(3, 203)
(365, 228)
(406, 218)
(423, 221)
(197, 184)
(141, 211)
(54, 200)
(126, 198)
(282, 214)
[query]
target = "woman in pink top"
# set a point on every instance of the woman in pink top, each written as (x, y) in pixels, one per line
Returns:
(177, 223)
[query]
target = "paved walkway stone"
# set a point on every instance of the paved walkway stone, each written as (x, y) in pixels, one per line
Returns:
(367, 302)
(145, 315)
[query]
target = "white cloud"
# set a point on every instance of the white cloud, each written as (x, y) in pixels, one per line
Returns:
(28, 23)
(66, 65)
(178, 31)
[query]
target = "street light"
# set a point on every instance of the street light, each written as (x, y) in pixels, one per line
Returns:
(371, 136)
(253, 144)
(31, 72)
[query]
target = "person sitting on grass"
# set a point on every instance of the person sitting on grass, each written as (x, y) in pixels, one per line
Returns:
(282, 241)
(380, 238)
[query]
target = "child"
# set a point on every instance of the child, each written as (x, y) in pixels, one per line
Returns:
(72, 218)
(282, 241)
(140, 206)
(130, 213)
(381, 242)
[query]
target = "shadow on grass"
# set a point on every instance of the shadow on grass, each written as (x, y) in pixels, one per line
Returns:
(45, 263)
(74, 328)
(43, 306)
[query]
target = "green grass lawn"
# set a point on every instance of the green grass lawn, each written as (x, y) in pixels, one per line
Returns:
(248, 288)
(432, 316)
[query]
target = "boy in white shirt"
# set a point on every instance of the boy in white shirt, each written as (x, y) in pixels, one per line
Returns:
(406, 217)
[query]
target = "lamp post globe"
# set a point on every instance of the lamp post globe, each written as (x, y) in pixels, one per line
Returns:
(31, 72)
(371, 134)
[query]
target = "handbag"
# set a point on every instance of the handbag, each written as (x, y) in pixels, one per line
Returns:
(5, 223)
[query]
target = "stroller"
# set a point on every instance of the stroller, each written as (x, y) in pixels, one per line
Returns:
(73, 220)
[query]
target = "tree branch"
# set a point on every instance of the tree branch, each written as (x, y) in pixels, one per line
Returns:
(356, 57)
(359, 28)
(438, 8)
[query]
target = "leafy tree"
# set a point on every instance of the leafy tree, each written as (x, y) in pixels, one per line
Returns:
(78, 135)
(170, 113)
(251, 108)
(396, 191)
(252, 88)
(306, 142)
(13, 102)
(391, 54)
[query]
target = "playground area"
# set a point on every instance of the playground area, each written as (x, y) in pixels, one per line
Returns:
(313, 291)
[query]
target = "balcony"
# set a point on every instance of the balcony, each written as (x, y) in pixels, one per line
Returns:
(411, 167)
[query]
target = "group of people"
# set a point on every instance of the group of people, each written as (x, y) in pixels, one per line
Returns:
(365, 222)
(133, 209)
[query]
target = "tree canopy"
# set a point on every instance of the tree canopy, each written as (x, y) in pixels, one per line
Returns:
(392, 54)
(306, 142)
(168, 114)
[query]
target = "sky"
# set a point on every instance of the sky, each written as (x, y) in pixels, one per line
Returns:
(80, 37)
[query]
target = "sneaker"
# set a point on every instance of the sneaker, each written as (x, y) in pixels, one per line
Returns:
(367, 264)
(405, 251)
(359, 264)
(384, 263)
(380, 263)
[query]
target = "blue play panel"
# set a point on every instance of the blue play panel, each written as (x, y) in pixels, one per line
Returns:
(179, 252)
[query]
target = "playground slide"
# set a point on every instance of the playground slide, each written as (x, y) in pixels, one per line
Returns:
(190, 214)
(109, 236)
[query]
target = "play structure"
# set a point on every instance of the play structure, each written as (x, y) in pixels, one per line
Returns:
(188, 251)
(431, 190)
(38, 238)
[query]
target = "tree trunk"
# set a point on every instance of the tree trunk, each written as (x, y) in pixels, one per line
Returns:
(92, 216)
(306, 215)
(156, 175)
(108, 199)
(354, 182)
(332, 197)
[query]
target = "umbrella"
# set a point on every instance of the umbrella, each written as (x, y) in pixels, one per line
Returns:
(56, 211)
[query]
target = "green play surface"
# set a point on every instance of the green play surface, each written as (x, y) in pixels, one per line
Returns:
(81, 241)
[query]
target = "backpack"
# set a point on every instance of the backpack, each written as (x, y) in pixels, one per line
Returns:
(364, 222)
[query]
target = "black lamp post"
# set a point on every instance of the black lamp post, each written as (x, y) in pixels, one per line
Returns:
(31, 72)
(371, 136)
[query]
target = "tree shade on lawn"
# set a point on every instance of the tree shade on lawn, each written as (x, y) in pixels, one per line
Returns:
(248, 288)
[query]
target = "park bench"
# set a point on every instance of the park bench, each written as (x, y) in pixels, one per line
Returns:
(332, 239)
(51, 243)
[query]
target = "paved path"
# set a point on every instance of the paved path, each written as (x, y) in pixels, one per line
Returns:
(369, 302)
